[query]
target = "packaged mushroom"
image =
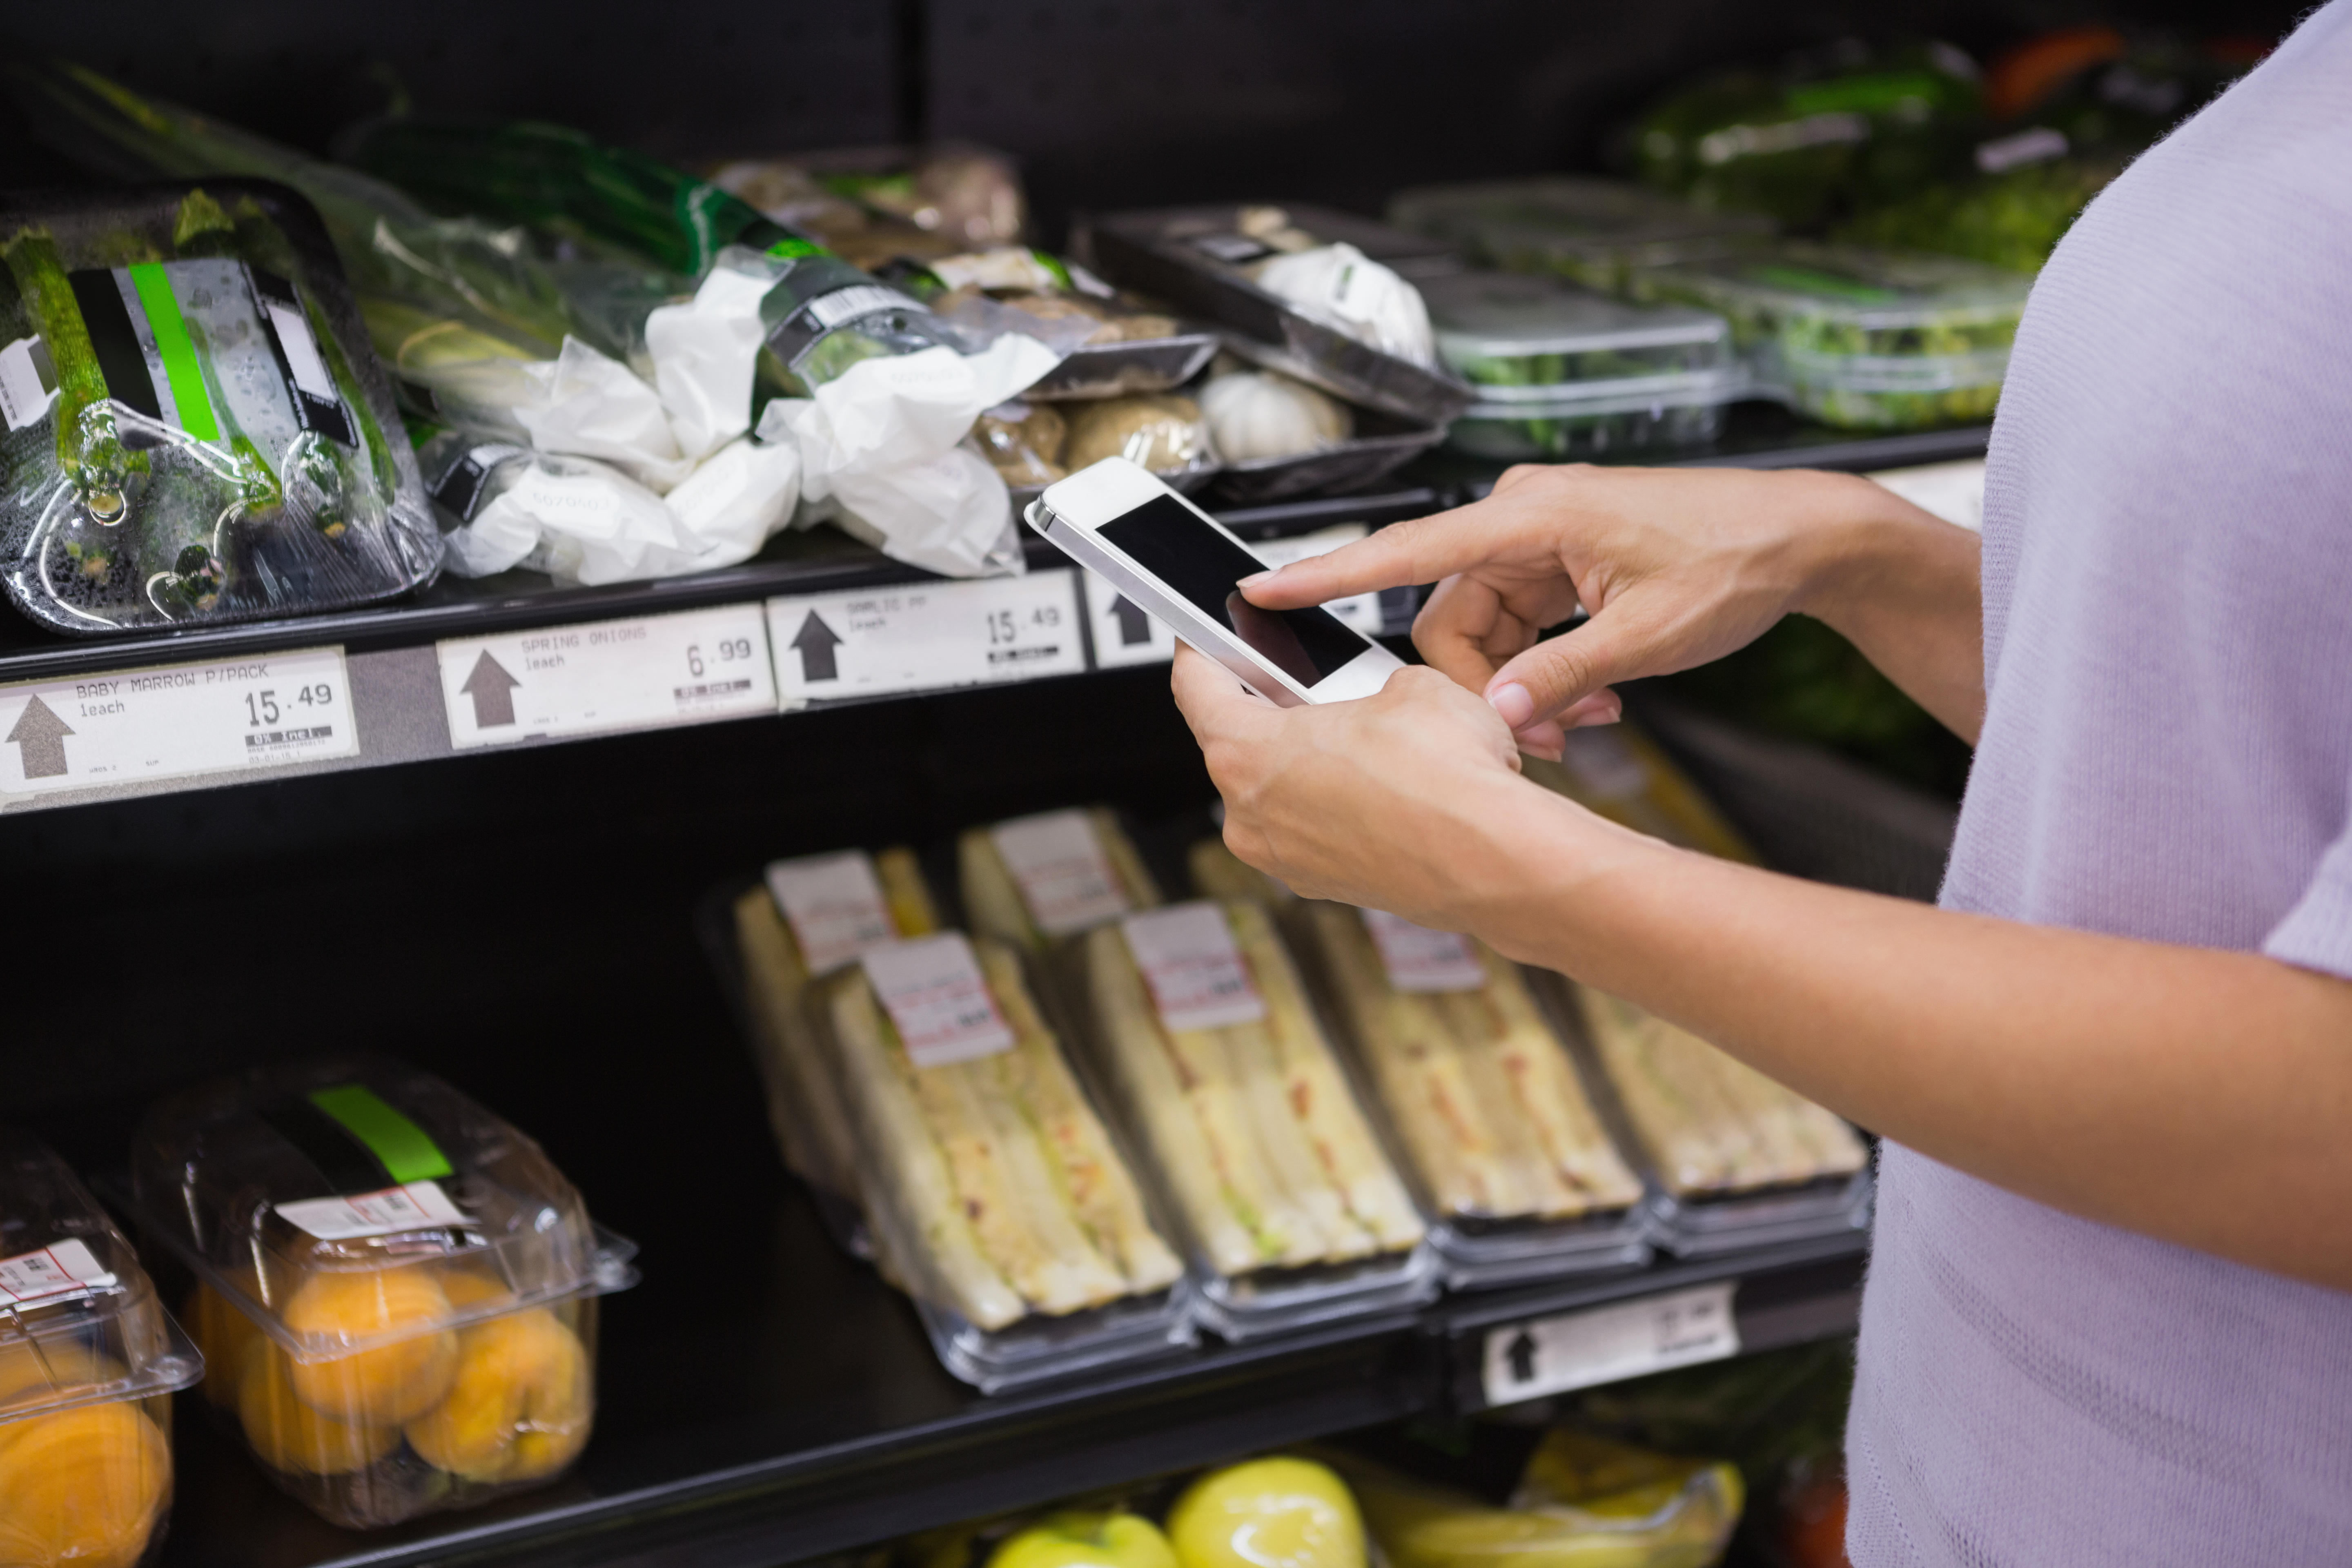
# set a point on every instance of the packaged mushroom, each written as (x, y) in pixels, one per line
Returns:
(88, 1361)
(1740, 1159)
(1285, 1199)
(996, 1193)
(1036, 880)
(1163, 432)
(395, 1290)
(1485, 1101)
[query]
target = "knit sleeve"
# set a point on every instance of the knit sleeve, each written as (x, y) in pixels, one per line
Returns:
(2317, 932)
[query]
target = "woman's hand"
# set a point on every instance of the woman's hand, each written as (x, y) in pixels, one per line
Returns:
(1383, 802)
(1677, 566)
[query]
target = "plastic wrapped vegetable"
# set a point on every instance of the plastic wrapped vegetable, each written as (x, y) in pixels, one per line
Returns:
(1250, 1124)
(1265, 414)
(1034, 880)
(194, 428)
(990, 1180)
(1023, 442)
(1160, 431)
(1343, 288)
(1712, 1125)
(1480, 1090)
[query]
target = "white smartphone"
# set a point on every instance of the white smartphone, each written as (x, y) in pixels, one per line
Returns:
(1175, 562)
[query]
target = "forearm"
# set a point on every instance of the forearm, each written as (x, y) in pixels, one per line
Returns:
(2193, 1095)
(1905, 588)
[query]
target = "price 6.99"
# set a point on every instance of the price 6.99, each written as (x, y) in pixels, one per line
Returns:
(727, 650)
(266, 707)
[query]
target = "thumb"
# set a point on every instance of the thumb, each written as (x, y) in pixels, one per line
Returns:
(1541, 684)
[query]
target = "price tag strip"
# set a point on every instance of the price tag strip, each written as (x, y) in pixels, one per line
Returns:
(938, 1000)
(1124, 635)
(67, 1268)
(170, 720)
(1065, 878)
(834, 906)
(925, 636)
(418, 1206)
(1196, 972)
(1418, 959)
(1604, 1344)
(689, 668)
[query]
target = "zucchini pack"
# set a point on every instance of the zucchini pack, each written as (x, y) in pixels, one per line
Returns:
(194, 426)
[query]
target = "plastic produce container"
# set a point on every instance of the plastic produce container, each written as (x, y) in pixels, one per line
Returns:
(1864, 339)
(1564, 371)
(88, 1361)
(1289, 1205)
(1603, 234)
(395, 1290)
(1734, 1159)
(1478, 1091)
(996, 1196)
(193, 427)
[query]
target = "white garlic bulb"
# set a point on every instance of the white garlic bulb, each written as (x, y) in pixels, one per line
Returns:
(1344, 289)
(1255, 414)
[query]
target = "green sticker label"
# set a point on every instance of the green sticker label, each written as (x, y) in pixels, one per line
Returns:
(792, 248)
(406, 1150)
(179, 356)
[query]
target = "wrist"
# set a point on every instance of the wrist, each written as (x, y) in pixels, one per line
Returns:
(1857, 534)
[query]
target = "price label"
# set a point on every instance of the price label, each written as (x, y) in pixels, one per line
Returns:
(1196, 974)
(591, 680)
(1124, 635)
(835, 906)
(925, 636)
(169, 721)
(1064, 877)
(64, 1267)
(418, 1205)
(938, 1000)
(1418, 959)
(1604, 1344)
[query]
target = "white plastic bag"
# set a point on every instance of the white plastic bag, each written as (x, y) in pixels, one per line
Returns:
(577, 519)
(1344, 289)
(584, 403)
(742, 493)
(704, 353)
(951, 515)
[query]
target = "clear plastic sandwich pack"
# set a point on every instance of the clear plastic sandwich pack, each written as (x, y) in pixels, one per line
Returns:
(88, 1361)
(395, 1291)
(1037, 881)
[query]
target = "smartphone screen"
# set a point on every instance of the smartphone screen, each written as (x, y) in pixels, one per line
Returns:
(1169, 539)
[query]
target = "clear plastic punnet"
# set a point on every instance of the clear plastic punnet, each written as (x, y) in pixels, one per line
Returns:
(193, 427)
(1482, 1096)
(1865, 339)
(395, 1290)
(1037, 881)
(1603, 234)
(1570, 428)
(1288, 1204)
(1734, 1159)
(995, 1195)
(88, 1361)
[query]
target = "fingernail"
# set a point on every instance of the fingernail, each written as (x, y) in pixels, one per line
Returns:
(1514, 703)
(1254, 577)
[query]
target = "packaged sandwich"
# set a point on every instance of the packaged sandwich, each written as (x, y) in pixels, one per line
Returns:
(88, 1361)
(1034, 880)
(996, 1193)
(1505, 1148)
(1616, 771)
(811, 917)
(1285, 1199)
(398, 1290)
(1741, 1159)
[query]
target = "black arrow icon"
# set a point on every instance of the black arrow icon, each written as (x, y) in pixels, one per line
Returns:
(40, 737)
(1522, 1357)
(817, 642)
(1134, 625)
(492, 689)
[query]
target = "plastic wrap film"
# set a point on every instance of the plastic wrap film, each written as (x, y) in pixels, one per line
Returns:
(1599, 232)
(193, 428)
(996, 1196)
(1288, 1203)
(1037, 880)
(1481, 1096)
(395, 1290)
(88, 1361)
(1582, 1502)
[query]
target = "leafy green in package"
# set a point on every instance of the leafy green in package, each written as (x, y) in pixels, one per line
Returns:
(194, 427)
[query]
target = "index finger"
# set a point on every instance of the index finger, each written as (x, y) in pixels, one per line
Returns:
(1423, 550)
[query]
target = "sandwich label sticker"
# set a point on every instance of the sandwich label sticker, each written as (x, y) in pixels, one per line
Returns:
(1195, 969)
(418, 1206)
(834, 906)
(1603, 1344)
(1064, 877)
(938, 1000)
(61, 1268)
(1419, 959)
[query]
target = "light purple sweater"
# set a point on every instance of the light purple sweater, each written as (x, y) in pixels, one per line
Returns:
(2167, 755)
